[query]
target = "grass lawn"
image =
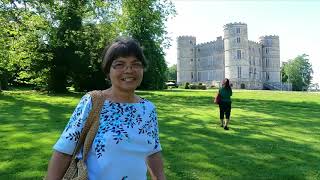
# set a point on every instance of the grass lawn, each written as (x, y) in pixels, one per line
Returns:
(273, 135)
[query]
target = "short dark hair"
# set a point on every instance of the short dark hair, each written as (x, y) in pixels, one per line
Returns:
(226, 83)
(122, 47)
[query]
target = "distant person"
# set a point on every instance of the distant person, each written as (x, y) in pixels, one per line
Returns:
(127, 141)
(225, 104)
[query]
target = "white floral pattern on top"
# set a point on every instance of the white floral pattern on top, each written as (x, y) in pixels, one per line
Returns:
(127, 134)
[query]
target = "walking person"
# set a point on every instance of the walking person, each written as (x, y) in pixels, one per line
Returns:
(225, 105)
(126, 144)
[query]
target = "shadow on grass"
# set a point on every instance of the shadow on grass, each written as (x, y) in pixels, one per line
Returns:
(28, 131)
(274, 140)
(256, 147)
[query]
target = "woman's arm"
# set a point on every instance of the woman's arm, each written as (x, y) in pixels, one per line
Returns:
(58, 165)
(155, 166)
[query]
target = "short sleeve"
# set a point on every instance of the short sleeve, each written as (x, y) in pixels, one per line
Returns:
(155, 131)
(71, 134)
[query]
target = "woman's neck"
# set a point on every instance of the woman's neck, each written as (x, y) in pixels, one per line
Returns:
(116, 95)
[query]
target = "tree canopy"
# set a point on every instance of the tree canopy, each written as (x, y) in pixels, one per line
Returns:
(297, 71)
(54, 44)
(172, 72)
(145, 22)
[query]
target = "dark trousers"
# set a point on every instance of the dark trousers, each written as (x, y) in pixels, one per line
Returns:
(225, 109)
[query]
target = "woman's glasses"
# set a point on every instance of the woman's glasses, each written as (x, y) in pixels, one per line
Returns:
(122, 66)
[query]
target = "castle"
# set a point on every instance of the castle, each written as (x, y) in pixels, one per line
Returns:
(248, 64)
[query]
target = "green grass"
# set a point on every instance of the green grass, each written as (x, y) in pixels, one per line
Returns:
(273, 135)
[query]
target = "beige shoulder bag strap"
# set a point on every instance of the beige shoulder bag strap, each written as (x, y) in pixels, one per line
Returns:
(90, 125)
(77, 169)
(99, 99)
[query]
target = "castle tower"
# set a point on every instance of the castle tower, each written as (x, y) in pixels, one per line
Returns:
(186, 61)
(236, 50)
(270, 58)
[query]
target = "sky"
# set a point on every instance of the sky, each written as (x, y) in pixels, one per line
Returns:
(296, 22)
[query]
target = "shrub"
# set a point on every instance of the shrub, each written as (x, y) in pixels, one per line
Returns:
(203, 87)
(186, 86)
(193, 86)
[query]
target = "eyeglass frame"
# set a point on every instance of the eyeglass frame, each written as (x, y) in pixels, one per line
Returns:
(138, 64)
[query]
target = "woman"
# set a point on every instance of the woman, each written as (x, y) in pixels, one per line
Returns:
(127, 140)
(225, 104)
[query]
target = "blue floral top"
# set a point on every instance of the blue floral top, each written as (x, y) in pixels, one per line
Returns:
(127, 134)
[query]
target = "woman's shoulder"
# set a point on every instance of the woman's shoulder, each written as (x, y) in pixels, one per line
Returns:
(85, 99)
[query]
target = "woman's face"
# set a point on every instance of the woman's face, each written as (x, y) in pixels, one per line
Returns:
(126, 73)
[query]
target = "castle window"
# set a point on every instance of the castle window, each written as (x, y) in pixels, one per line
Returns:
(239, 72)
(238, 39)
(191, 75)
(238, 30)
(267, 50)
(260, 63)
(198, 50)
(191, 60)
(238, 54)
(269, 42)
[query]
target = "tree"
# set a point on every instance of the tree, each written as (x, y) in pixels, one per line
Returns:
(284, 76)
(85, 27)
(144, 21)
(21, 32)
(298, 71)
(172, 72)
(55, 43)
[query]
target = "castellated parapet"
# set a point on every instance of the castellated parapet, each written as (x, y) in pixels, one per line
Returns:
(233, 25)
(248, 64)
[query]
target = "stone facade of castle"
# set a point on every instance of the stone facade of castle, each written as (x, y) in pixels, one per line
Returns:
(248, 64)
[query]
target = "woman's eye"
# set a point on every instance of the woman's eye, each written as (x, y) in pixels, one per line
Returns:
(137, 65)
(118, 66)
